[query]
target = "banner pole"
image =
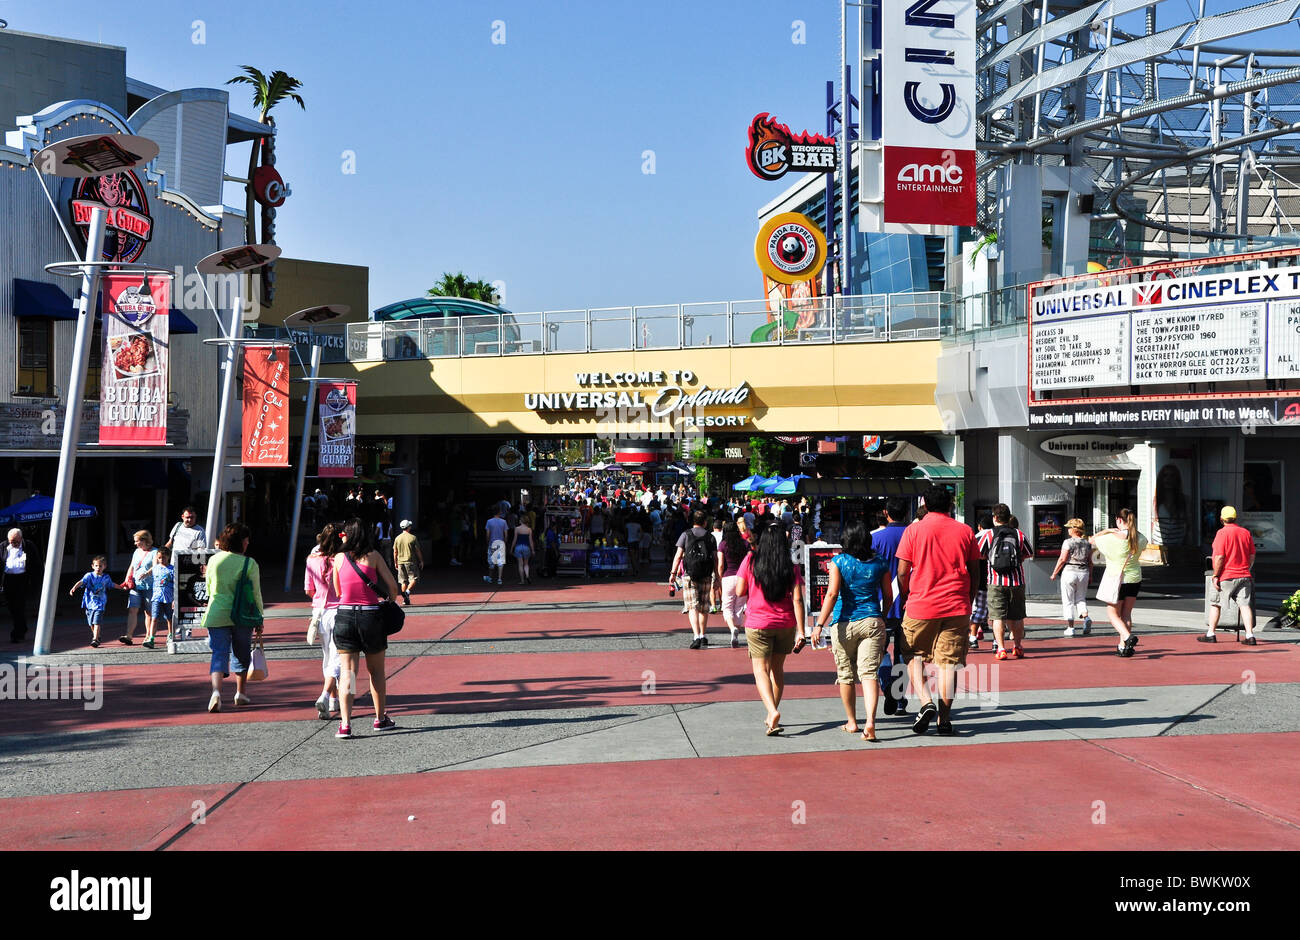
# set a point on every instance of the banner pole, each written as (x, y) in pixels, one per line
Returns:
(215, 490)
(307, 425)
(71, 431)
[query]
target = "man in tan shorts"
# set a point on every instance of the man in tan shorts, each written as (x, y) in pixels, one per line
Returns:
(938, 574)
(407, 559)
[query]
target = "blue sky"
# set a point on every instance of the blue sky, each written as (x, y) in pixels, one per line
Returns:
(520, 161)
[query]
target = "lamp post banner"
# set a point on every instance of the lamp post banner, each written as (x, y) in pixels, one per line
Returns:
(133, 374)
(338, 421)
(928, 111)
(266, 407)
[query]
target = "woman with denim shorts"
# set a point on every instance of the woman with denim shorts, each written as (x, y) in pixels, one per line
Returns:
(140, 586)
(232, 646)
(358, 628)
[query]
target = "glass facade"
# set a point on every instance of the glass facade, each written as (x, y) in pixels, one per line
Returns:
(885, 264)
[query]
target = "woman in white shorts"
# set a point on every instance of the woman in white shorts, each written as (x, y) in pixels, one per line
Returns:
(1075, 568)
(732, 550)
(319, 585)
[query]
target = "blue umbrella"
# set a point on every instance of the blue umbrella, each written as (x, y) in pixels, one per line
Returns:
(41, 509)
(778, 485)
(753, 482)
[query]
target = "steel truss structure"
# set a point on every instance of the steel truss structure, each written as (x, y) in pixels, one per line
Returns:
(1188, 116)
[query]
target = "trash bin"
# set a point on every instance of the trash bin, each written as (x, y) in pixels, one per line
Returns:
(1229, 615)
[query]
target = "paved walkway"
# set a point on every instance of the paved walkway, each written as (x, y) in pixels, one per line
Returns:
(572, 715)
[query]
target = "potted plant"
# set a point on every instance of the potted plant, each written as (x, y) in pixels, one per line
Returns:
(1289, 611)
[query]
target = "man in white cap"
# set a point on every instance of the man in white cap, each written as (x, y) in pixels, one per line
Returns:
(1234, 553)
(407, 559)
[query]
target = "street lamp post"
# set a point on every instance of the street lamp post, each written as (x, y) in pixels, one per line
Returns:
(79, 158)
(314, 316)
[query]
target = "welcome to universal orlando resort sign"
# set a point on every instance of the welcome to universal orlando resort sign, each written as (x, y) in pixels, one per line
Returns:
(668, 388)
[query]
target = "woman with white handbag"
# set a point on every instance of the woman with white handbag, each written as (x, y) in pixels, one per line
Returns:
(1122, 547)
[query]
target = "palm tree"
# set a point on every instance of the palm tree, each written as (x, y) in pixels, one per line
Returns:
(458, 285)
(267, 93)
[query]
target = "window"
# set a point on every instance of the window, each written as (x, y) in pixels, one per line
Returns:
(95, 362)
(35, 344)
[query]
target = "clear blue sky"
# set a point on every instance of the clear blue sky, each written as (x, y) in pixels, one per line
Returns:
(520, 161)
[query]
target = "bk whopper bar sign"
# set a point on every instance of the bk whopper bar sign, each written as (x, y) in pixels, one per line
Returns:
(928, 111)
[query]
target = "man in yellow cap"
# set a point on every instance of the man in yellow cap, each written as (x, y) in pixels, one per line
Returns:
(1234, 553)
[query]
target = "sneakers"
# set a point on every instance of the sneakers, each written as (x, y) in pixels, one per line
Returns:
(695, 643)
(214, 703)
(1018, 652)
(487, 579)
(944, 728)
(704, 641)
(973, 642)
(383, 724)
(996, 649)
(125, 640)
(323, 708)
(1001, 654)
(94, 643)
(923, 718)
(241, 699)
(406, 596)
(1069, 631)
(148, 644)
(735, 641)
(345, 731)
(334, 704)
(455, 563)
(1087, 626)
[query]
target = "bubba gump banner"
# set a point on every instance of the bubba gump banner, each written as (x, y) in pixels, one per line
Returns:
(133, 379)
(266, 407)
(338, 421)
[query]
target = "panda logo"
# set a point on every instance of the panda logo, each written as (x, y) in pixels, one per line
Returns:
(792, 249)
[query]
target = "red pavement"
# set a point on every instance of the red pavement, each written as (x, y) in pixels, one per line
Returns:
(1155, 796)
(175, 693)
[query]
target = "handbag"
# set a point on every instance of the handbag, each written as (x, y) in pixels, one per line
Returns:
(313, 629)
(390, 615)
(243, 611)
(257, 668)
(1108, 590)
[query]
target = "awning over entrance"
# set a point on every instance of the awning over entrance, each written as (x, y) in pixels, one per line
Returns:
(879, 487)
(38, 299)
(938, 471)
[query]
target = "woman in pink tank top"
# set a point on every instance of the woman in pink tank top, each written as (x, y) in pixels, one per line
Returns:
(357, 626)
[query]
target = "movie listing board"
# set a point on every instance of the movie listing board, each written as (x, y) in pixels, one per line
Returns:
(1080, 353)
(1231, 327)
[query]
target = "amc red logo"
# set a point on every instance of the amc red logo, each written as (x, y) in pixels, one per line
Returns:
(1291, 412)
(1146, 295)
(929, 186)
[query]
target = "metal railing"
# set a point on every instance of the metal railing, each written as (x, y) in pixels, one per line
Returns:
(868, 318)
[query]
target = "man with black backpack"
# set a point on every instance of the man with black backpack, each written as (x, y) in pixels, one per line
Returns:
(697, 560)
(1005, 548)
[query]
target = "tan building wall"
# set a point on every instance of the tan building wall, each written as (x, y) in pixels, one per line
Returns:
(884, 387)
(300, 284)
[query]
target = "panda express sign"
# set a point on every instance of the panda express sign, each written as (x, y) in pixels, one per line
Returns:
(645, 395)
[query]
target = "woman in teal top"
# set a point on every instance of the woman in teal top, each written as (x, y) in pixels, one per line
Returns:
(1122, 546)
(859, 590)
(223, 573)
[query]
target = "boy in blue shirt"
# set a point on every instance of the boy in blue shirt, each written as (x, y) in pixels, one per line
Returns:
(95, 583)
(163, 594)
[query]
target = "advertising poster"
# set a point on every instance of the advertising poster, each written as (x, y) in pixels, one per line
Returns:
(133, 376)
(338, 423)
(928, 112)
(1261, 510)
(191, 586)
(816, 573)
(1049, 530)
(266, 407)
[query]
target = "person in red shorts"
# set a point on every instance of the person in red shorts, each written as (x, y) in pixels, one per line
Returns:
(1234, 553)
(938, 572)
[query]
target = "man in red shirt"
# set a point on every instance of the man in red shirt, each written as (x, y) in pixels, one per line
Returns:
(938, 573)
(1234, 553)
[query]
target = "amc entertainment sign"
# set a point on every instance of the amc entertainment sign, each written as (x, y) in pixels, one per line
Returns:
(647, 395)
(928, 111)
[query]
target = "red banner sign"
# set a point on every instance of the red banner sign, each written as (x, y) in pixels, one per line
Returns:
(266, 407)
(133, 379)
(338, 424)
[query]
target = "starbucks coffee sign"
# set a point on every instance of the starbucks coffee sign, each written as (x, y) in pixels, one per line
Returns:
(1086, 445)
(670, 394)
